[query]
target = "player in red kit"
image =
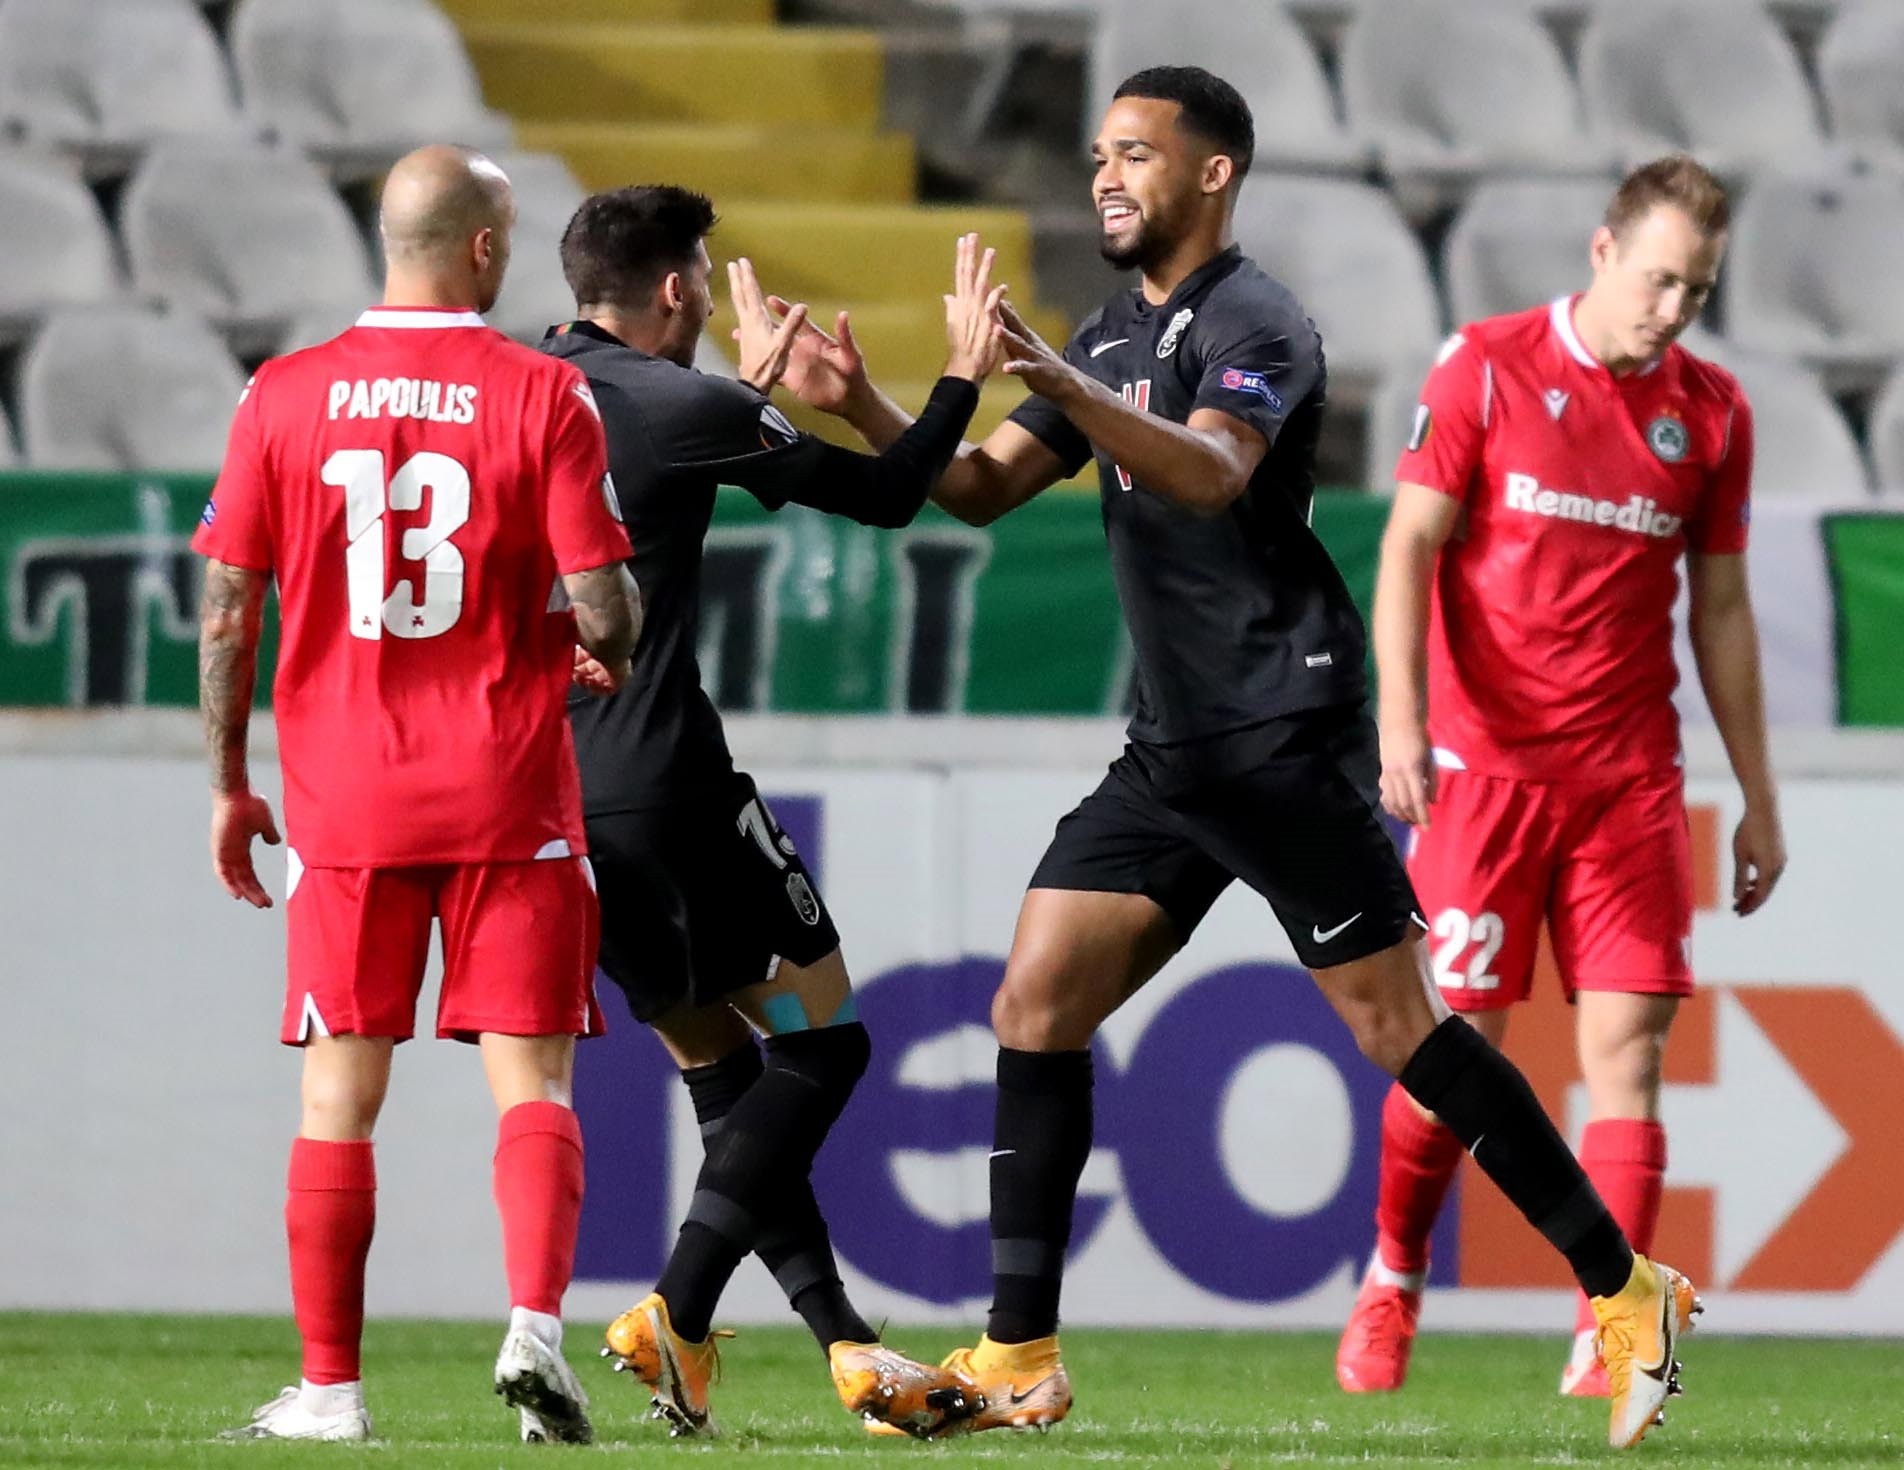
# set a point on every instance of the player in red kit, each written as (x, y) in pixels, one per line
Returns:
(1562, 461)
(421, 489)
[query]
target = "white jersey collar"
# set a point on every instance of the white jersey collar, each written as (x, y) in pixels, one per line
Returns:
(412, 317)
(1561, 314)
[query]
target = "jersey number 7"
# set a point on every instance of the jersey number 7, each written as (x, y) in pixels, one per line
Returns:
(359, 473)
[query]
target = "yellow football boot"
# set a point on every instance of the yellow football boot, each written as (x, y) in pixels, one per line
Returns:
(678, 1373)
(889, 1390)
(1024, 1385)
(1640, 1328)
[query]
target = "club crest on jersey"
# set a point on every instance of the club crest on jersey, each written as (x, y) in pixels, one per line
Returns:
(1173, 334)
(1239, 381)
(800, 895)
(1666, 436)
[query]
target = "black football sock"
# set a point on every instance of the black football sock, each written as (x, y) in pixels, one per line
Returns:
(794, 1244)
(1040, 1142)
(1487, 1104)
(763, 1147)
(799, 1252)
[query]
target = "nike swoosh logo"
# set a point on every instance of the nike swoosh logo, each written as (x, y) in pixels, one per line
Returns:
(1658, 1370)
(1015, 1398)
(999, 1153)
(1323, 936)
(1104, 347)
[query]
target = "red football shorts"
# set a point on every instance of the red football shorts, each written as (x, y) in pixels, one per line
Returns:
(518, 949)
(1607, 866)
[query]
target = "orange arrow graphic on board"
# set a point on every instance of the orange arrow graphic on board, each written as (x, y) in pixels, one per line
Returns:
(1854, 1065)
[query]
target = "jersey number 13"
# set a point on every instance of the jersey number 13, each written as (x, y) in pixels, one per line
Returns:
(359, 473)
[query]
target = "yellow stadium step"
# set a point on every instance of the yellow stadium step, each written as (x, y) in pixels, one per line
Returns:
(612, 12)
(682, 74)
(735, 162)
(855, 254)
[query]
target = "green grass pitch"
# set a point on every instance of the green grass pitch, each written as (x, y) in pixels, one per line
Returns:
(97, 1390)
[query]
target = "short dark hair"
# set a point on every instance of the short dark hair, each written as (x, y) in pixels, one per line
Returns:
(1678, 180)
(619, 244)
(1212, 109)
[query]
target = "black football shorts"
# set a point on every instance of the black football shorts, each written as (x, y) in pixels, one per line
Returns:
(1290, 806)
(701, 898)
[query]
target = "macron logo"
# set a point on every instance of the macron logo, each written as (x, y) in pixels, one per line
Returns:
(1640, 515)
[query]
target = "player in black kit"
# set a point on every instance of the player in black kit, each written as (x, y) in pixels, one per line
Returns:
(1251, 755)
(711, 924)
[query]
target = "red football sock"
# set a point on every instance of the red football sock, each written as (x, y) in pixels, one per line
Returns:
(330, 1210)
(539, 1194)
(1419, 1157)
(1626, 1160)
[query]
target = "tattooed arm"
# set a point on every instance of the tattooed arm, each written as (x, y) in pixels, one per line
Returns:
(608, 620)
(229, 620)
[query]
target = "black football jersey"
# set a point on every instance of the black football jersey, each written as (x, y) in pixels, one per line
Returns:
(675, 436)
(1238, 617)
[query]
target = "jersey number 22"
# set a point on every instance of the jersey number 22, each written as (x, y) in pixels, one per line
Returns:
(359, 473)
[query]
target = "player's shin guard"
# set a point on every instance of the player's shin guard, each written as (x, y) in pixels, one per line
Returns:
(1487, 1104)
(1419, 1157)
(763, 1149)
(793, 1242)
(1040, 1143)
(330, 1210)
(1626, 1160)
(538, 1183)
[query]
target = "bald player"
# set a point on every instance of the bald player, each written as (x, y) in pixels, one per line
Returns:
(432, 501)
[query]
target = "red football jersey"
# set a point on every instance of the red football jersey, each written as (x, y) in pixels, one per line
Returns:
(1550, 646)
(416, 485)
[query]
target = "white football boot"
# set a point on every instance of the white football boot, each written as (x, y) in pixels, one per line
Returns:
(286, 1417)
(535, 1380)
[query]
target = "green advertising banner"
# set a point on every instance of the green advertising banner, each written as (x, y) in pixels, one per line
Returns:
(1866, 553)
(807, 614)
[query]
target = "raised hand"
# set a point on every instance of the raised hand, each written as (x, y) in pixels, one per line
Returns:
(1030, 358)
(972, 327)
(766, 340)
(823, 372)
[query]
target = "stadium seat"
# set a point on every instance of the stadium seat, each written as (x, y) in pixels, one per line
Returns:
(1802, 444)
(1817, 272)
(1391, 418)
(9, 454)
(54, 240)
(1342, 247)
(1447, 89)
(1519, 242)
(1861, 69)
(106, 76)
(534, 294)
(360, 82)
(117, 388)
(246, 235)
(1886, 434)
(1716, 78)
(320, 324)
(1257, 46)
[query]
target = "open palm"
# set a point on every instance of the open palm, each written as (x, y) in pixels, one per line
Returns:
(822, 371)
